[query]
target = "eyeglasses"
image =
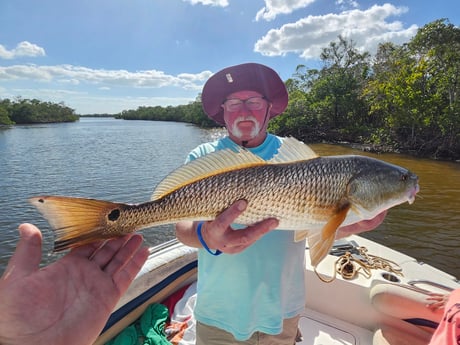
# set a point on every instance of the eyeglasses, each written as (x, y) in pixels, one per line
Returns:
(252, 103)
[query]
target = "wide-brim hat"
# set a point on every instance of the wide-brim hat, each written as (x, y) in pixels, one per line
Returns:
(247, 76)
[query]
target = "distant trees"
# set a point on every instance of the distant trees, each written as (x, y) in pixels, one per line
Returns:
(415, 88)
(327, 104)
(190, 113)
(405, 98)
(4, 114)
(34, 111)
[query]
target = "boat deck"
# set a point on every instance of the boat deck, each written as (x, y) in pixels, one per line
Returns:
(320, 329)
(375, 306)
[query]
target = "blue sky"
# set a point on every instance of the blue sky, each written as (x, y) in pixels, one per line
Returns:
(105, 56)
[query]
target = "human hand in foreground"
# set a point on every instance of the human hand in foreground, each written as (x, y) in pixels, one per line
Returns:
(362, 226)
(437, 300)
(69, 301)
(218, 234)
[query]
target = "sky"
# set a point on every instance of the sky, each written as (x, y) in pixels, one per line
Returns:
(106, 56)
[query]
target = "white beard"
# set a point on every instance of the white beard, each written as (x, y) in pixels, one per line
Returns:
(236, 131)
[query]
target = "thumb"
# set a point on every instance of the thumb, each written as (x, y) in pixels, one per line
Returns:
(28, 254)
(226, 218)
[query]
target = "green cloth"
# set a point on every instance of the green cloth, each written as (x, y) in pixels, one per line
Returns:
(153, 325)
(147, 330)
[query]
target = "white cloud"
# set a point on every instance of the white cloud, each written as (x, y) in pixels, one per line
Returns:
(274, 7)
(347, 4)
(90, 90)
(221, 3)
(22, 49)
(310, 35)
(87, 103)
(79, 75)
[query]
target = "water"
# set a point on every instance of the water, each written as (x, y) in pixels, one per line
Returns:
(124, 160)
(99, 158)
(429, 228)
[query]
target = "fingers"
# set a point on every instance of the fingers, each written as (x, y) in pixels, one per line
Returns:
(362, 226)
(433, 296)
(436, 300)
(104, 249)
(123, 277)
(227, 217)
(214, 233)
(28, 253)
(111, 255)
(87, 250)
(435, 305)
(106, 252)
(218, 234)
(122, 256)
(239, 240)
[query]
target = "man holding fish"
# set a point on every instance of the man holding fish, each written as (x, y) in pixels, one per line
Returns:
(255, 295)
(228, 199)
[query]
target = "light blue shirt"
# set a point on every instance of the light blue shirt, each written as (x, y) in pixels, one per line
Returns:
(256, 289)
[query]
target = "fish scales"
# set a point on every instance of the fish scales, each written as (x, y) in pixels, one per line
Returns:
(296, 194)
(314, 195)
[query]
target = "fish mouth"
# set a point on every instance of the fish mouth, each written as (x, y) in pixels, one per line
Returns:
(412, 193)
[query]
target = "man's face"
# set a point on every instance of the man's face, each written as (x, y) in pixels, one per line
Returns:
(244, 115)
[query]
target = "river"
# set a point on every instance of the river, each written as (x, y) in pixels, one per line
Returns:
(123, 161)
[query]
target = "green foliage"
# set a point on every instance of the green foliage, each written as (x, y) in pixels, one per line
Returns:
(34, 111)
(190, 113)
(4, 113)
(332, 107)
(414, 91)
(406, 97)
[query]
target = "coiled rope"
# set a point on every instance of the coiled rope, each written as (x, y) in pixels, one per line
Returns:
(350, 264)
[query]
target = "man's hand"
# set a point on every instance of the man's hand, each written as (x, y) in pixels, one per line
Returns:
(218, 234)
(362, 226)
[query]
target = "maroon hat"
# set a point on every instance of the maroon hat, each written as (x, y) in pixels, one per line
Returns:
(247, 76)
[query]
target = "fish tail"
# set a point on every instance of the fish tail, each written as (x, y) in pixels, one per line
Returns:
(78, 221)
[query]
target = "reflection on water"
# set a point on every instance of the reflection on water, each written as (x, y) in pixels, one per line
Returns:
(124, 160)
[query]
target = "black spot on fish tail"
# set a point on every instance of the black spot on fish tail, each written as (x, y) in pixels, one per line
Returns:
(114, 215)
(42, 201)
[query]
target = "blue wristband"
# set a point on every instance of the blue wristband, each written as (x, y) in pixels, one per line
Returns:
(203, 243)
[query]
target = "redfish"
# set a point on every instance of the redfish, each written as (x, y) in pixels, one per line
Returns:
(310, 194)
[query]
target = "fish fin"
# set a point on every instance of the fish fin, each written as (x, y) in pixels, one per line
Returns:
(76, 221)
(300, 235)
(292, 150)
(209, 165)
(321, 242)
